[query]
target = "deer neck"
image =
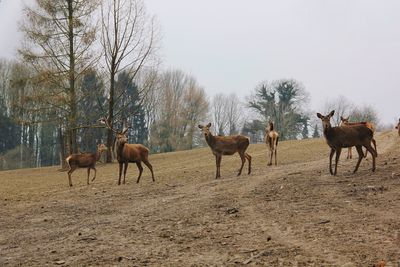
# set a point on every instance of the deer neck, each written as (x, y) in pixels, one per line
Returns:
(328, 132)
(210, 139)
(120, 147)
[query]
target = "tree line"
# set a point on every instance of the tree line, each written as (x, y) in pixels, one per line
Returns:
(86, 59)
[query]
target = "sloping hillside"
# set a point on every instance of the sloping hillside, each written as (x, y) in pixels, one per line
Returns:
(295, 214)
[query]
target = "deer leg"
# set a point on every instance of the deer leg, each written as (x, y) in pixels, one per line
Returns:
(88, 173)
(95, 172)
(243, 159)
(139, 165)
(70, 171)
(373, 154)
(275, 157)
(125, 168)
(218, 159)
(360, 157)
(69, 178)
(374, 142)
(248, 157)
(120, 173)
(349, 153)
(338, 151)
(147, 163)
(330, 160)
(271, 153)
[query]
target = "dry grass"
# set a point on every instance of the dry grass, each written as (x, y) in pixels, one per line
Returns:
(181, 166)
(294, 214)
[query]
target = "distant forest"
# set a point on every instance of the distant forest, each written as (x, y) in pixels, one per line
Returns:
(81, 61)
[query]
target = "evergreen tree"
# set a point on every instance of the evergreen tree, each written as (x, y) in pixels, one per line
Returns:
(282, 102)
(305, 130)
(133, 110)
(90, 106)
(316, 132)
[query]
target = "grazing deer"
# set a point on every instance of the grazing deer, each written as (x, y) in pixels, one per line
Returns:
(271, 139)
(126, 153)
(398, 127)
(227, 145)
(339, 137)
(345, 122)
(84, 160)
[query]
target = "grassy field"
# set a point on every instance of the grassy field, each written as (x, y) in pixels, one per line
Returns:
(294, 214)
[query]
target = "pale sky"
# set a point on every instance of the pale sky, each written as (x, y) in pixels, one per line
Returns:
(334, 47)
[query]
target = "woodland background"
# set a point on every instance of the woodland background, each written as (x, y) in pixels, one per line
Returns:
(86, 59)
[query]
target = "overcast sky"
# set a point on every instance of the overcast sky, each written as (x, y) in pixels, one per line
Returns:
(334, 47)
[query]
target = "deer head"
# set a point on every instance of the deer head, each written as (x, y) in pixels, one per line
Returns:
(344, 120)
(205, 129)
(326, 120)
(120, 135)
(101, 148)
(270, 126)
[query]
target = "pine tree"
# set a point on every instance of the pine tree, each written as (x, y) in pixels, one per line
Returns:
(316, 132)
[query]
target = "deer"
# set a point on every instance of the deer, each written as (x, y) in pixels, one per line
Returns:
(84, 160)
(342, 137)
(271, 139)
(345, 122)
(126, 153)
(226, 145)
(398, 127)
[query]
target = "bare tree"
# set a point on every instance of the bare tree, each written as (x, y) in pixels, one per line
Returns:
(181, 105)
(59, 36)
(364, 113)
(233, 113)
(342, 107)
(218, 112)
(128, 40)
(226, 113)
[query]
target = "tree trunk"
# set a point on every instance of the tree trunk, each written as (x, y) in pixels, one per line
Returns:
(63, 155)
(110, 118)
(73, 109)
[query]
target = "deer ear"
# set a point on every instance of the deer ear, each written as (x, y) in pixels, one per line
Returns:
(209, 124)
(331, 113)
(319, 115)
(341, 118)
(124, 130)
(200, 126)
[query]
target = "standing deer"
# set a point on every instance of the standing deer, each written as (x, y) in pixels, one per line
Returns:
(339, 137)
(271, 139)
(84, 160)
(398, 127)
(226, 145)
(126, 153)
(345, 122)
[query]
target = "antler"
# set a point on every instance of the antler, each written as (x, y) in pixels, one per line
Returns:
(105, 121)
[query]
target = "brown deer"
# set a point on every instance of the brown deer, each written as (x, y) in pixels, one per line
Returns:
(84, 160)
(398, 127)
(227, 145)
(126, 153)
(271, 139)
(339, 137)
(345, 122)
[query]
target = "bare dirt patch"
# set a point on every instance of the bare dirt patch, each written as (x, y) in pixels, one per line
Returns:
(295, 214)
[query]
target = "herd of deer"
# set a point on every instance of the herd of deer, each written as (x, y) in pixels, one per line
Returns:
(347, 135)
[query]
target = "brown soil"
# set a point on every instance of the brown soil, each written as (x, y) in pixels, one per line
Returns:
(293, 214)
